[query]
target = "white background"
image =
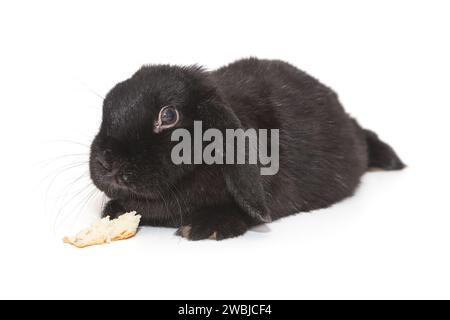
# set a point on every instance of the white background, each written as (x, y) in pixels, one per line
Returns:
(389, 62)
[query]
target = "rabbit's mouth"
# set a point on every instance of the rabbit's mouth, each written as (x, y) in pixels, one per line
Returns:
(118, 183)
(113, 187)
(116, 188)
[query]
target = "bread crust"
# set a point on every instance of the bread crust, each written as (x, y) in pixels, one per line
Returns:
(129, 232)
(77, 244)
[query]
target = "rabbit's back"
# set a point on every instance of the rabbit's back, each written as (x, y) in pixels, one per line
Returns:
(323, 151)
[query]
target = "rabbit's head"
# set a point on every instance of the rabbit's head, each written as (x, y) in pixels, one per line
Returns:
(131, 154)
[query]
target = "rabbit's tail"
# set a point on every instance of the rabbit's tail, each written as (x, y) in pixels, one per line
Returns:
(381, 155)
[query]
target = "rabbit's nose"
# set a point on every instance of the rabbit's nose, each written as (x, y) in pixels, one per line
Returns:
(104, 163)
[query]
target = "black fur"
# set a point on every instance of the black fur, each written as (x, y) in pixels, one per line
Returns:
(323, 152)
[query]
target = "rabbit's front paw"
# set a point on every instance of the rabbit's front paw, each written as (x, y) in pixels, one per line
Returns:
(214, 226)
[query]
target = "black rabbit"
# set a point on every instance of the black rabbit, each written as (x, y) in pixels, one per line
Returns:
(322, 151)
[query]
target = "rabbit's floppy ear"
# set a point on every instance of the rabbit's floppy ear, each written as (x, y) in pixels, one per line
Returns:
(243, 181)
(244, 184)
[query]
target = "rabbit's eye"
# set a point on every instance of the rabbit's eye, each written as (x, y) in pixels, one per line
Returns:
(167, 118)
